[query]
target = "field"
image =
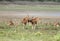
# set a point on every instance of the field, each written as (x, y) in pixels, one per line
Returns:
(17, 33)
(12, 7)
(42, 32)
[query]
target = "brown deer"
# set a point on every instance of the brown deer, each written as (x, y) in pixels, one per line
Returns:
(34, 21)
(25, 21)
(56, 24)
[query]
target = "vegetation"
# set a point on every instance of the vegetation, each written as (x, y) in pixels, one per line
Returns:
(27, 7)
(44, 33)
(33, 0)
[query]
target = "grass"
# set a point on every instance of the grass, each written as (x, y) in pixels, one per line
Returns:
(26, 7)
(41, 33)
(45, 33)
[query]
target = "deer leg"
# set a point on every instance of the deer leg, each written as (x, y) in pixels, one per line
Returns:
(33, 26)
(24, 26)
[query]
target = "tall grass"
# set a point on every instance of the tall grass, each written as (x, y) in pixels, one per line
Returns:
(43, 33)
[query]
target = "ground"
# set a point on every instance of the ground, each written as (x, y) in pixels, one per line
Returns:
(17, 33)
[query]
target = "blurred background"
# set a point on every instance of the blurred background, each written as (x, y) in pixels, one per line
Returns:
(27, 2)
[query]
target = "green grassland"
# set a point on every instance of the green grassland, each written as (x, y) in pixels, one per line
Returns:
(28, 7)
(17, 33)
